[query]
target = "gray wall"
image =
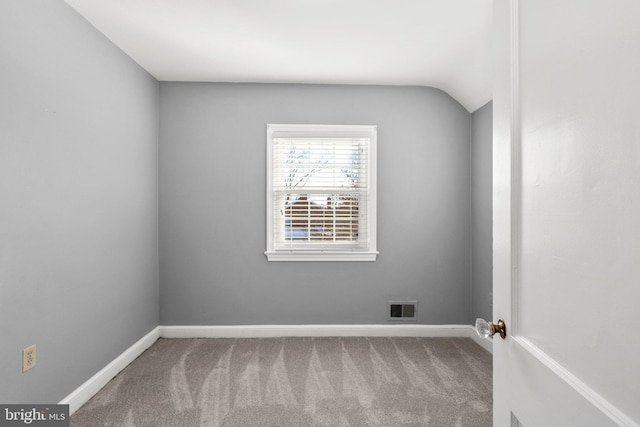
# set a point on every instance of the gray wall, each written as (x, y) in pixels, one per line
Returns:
(482, 211)
(78, 196)
(212, 207)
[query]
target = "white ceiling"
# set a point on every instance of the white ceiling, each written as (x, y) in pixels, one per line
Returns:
(439, 43)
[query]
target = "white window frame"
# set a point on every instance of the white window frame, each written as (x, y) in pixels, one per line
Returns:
(367, 253)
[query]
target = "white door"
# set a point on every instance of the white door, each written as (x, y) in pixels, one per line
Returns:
(567, 212)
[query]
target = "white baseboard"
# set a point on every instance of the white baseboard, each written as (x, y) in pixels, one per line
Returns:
(486, 343)
(89, 388)
(266, 331)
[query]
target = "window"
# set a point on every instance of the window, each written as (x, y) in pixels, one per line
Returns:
(321, 193)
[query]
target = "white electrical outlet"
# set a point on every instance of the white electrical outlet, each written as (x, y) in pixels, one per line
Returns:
(28, 358)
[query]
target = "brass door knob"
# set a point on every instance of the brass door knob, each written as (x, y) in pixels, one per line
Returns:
(488, 329)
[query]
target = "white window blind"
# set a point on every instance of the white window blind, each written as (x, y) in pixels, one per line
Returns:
(321, 195)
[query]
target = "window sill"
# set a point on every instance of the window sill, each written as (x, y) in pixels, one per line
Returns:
(320, 256)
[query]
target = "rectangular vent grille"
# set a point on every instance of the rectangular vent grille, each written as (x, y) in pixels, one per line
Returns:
(402, 310)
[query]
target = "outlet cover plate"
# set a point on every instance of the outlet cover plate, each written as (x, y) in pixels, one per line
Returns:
(28, 358)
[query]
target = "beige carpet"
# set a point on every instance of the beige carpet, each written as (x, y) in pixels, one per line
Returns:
(299, 382)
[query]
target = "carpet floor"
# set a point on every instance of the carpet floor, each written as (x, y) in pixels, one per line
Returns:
(299, 382)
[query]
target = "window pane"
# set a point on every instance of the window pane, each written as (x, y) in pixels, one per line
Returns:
(318, 184)
(320, 217)
(319, 163)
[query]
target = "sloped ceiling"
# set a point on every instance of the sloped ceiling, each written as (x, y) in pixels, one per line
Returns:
(439, 43)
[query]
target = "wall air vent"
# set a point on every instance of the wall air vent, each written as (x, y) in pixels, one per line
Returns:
(402, 310)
